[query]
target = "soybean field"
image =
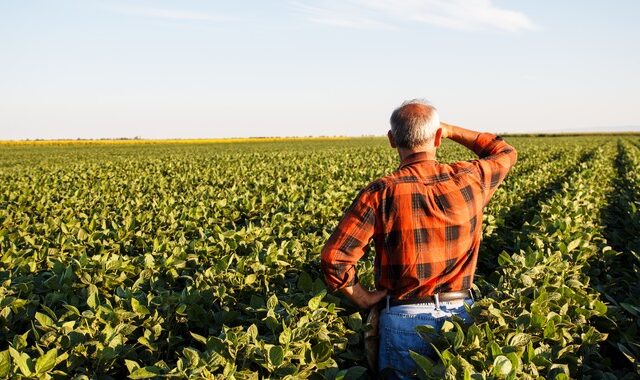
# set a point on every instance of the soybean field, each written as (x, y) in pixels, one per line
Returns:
(201, 260)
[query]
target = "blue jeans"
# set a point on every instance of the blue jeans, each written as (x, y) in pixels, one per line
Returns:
(398, 334)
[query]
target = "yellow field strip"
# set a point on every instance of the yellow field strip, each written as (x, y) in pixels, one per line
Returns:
(168, 141)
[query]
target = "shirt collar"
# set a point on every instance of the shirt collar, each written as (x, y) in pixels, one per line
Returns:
(414, 158)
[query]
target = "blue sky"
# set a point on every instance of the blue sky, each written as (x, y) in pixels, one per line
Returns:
(204, 68)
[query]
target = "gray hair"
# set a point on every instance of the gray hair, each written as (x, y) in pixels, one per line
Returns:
(414, 123)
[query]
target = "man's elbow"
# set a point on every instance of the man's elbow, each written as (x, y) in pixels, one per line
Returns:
(508, 151)
(327, 269)
(336, 275)
(326, 260)
(330, 281)
(512, 153)
(514, 156)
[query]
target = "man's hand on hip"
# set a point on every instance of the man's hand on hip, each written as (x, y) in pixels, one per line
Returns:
(362, 297)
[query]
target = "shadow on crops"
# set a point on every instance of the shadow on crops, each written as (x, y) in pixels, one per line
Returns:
(615, 275)
(505, 236)
(615, 215)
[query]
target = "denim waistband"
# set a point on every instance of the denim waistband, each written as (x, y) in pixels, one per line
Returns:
(418, 307)
(426, 308)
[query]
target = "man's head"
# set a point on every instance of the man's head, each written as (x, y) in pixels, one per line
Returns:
(415, 125)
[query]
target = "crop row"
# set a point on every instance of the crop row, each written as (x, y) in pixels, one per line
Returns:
(515, 202)
(537, 321)
(616, 273)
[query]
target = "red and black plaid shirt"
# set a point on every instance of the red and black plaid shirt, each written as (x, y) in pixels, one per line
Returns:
(426, 221)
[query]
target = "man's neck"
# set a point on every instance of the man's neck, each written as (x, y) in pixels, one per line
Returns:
(404, 153)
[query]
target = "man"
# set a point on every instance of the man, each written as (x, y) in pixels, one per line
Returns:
(426, 221)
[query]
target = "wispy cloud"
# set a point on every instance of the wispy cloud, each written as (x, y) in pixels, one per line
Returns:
(339, 13)
(451, 14)
(165, 13)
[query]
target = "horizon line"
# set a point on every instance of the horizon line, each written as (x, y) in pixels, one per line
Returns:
(292, 137)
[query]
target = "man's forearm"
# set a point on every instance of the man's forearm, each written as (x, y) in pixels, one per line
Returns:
(460, 135)
(363, 298)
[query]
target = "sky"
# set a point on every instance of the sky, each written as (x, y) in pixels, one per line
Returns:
(214, 69)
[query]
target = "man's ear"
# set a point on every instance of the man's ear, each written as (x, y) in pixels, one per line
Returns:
(392, 142)
(437, 138)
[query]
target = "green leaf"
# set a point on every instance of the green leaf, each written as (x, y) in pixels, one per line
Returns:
(592, 336)
(520, 340)
(192, 355)
(355, 321)
(276, 355)
(627, 353)
(515, 361)
(530, 353)
(131, 365)
(321, 352)
(314, 303)
(199, 338)
(47, 361)
(252, 331)
(20, 341)
(44, 320)
(494, 349)
(633, 310)
(574, 244)
(550, 330)
(447, 326)
(22, 360)
(82, 234)
(427, 332)
(139, 308)
(501, 366)
(93, 301)
(600, 307)
(354, 373)
(504, 258)
(147, 343)
(272, 302)
(285, 336)
(271, 322)
(5, 363)
(423, 362)
(145, 372)
(459, 337)
(256, 302)
(305, 282)
(559, 371)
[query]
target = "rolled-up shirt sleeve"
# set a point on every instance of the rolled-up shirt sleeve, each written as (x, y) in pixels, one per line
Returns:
(348, 242)
(496, 159)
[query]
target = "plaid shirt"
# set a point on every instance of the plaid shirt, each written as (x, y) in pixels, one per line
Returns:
(426, 221)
